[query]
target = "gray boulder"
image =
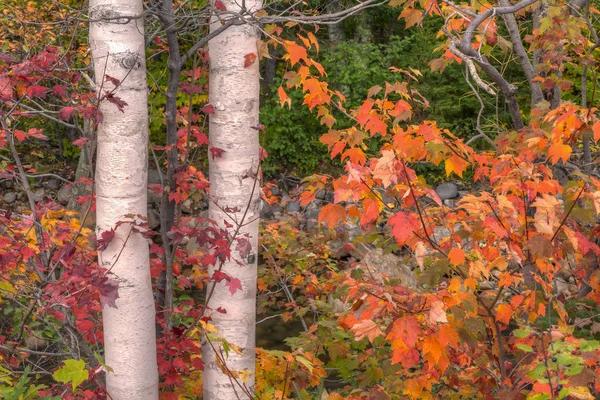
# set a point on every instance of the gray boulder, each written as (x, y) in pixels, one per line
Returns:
(10, 197)
(447, 191)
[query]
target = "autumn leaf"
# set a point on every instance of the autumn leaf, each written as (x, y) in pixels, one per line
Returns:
(370, 211)
(456, 256)
(546, 218)
(559, 151)
(596, 129)
(216, 152)
(455, 164)
(249, 59)
(105, 238)
(332, 214)
(20, 135)
(404, 225)
(366, 329)
(208, 109)
(6, 90)
(37, 91)
(220, 6)
(504, 313)
(295, 51)
(411, 16)
(284, 98)
(66, 113)
(234, 285)
(437, 313)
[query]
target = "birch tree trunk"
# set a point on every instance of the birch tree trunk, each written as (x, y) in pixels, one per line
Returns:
(234, 93)
(118, 51)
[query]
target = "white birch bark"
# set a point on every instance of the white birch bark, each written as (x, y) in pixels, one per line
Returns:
(234, 93)
(117, 46)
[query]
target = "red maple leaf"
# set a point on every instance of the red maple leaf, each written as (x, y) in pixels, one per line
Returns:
(105, 238)
(37, 91)
(249, 59)
(208, 109)
(66, 113)
(80, 142)
(216, 152)
(404, 225)
(234, 285)
(220, 6)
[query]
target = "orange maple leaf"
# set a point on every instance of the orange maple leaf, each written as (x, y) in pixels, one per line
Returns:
(366, 329)
(332, 214)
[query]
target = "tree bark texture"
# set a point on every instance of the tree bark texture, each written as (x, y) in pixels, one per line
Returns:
(117, 44)
(234, 93)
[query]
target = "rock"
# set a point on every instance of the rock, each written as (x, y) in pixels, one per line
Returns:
(186, 206)
(153, 219)
(321, 194)
(384, 197)
(394, 267)
(487, 285)
(294, 206)
(447, 191)
(449, 203)
(277, 210)
(153, 177)
(352, 229)
(38, 194)
(270, 211)
(7, 184)
(266, 210)
(64, 195)
(275, 191)
(154, 199)
(312, 214)
(52, 184)
(440, 232)
(10, 197)
(330, 197)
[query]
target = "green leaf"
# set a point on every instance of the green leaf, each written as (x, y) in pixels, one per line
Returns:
(73, 371)
(538, 372)
(305, 362)
(520, 333)
(524, 347)
(589, 345)
(574, 370)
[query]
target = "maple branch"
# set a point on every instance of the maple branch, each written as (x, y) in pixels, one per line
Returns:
(509, 90)
(568, 213)
(325, 19)
(24, 181)
(471, 68)
(481, 134)
(44, 113)
(459, 9)
(33, 352)
(518, 48)
(284, 286)
(202, 42)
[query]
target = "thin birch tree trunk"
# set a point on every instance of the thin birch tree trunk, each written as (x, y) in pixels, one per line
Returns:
(117, 46)
(234, 93)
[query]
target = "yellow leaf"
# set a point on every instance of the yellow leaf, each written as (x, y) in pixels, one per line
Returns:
(455, 164)
(245, 375)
